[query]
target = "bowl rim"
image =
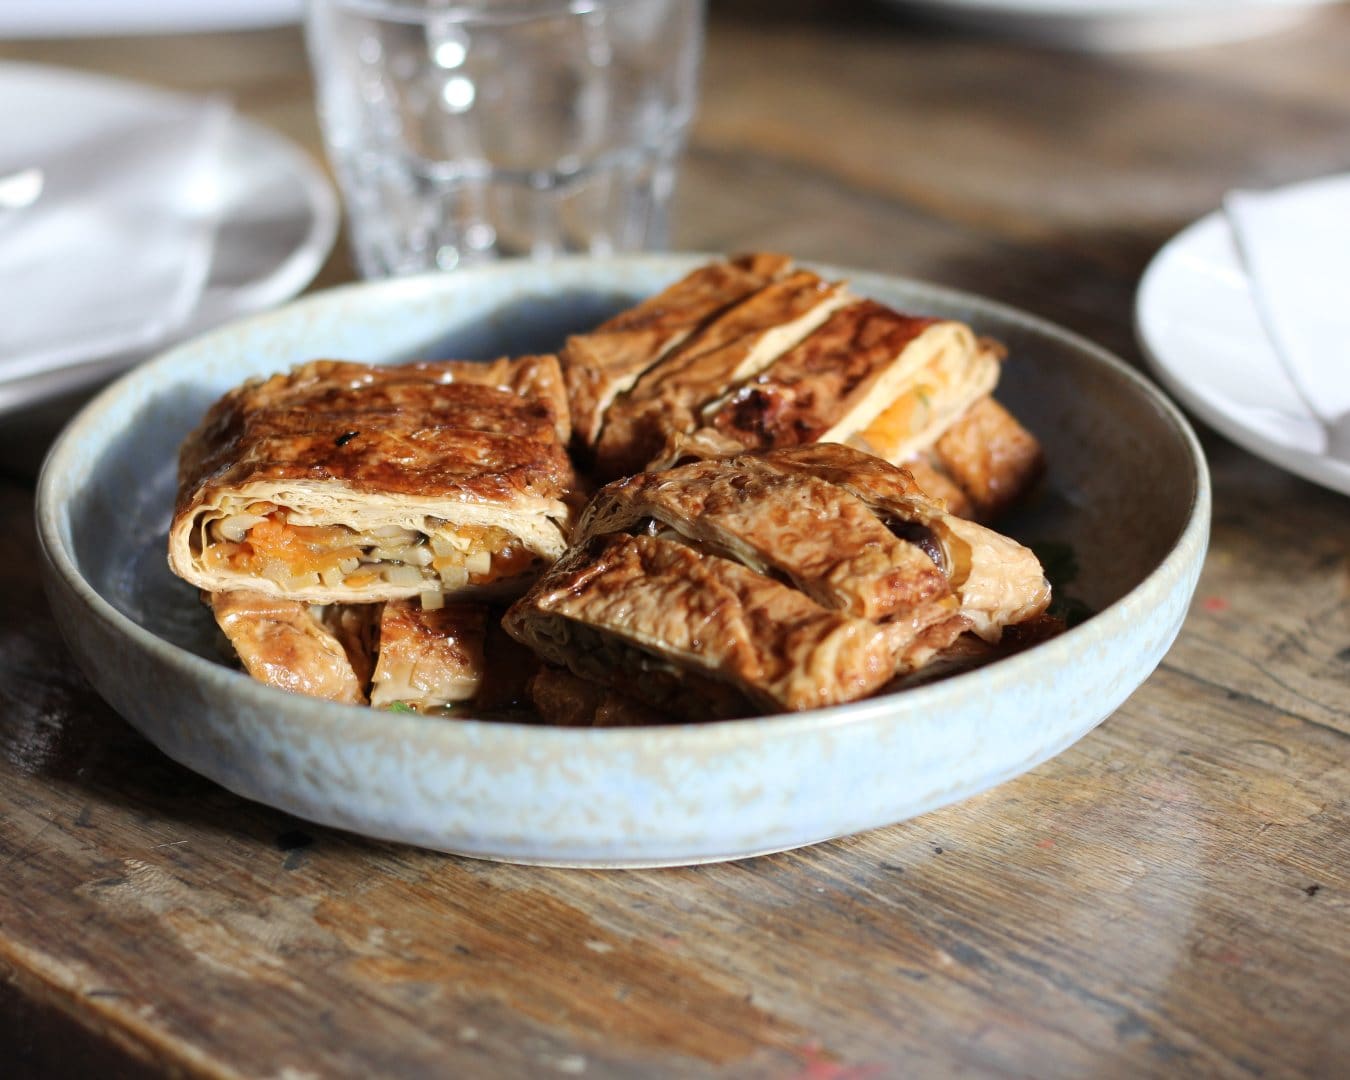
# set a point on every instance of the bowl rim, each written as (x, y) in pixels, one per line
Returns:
(1173, 567)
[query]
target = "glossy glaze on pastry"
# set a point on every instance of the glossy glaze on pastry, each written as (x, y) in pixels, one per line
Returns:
(778, 580)
(344, 483)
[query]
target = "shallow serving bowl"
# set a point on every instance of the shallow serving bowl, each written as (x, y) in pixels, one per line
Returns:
(1127, 491)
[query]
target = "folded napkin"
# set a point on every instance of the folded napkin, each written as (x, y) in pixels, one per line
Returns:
(1295, 246)
(114, 254)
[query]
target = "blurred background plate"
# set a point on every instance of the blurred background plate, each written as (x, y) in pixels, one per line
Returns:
(69, 18)
(278, 221)
(1119, 25)
(1198, 325)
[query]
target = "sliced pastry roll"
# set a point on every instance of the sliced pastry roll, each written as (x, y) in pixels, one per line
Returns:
(298, 647)
(352, 483)
(770, 581)
(761, 355)
(989, 457)
(697, 635)
(887, 382)
(606, 362)
(733, 347)
(996, 581)
(429, 657)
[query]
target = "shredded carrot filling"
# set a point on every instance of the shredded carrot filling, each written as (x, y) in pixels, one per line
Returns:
(276, 549)
(904, 418)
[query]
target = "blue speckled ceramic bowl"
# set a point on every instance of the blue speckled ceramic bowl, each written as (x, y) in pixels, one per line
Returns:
(1127, 490)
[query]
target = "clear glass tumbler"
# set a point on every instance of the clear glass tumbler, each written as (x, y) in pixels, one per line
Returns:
(467, 130)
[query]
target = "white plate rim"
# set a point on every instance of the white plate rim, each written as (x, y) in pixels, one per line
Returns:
(217, 303)
(1169, 368)
(1112, 26)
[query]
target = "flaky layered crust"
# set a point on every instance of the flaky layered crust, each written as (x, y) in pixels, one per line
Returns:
(606, 362)
(614, 610)
(735, 346)
(762, 356)
(990, 457)
(787, 579)
(996, 580)
(289, 645)
(429, 657)
(448, 450)
(833, 384)
(826, 542)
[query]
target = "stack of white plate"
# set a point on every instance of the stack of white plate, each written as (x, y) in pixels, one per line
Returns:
(1120, 25)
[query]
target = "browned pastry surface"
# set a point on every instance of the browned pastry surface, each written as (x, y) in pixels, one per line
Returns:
(992, 458)
(997, 580)
(357, 629)
(429, 657)
(794, 361)
(607, 361)
(791, 576)
(615, 609)
(938, 486)
(824, 540)
(283, 644)
(807, 390)
(350, 483)
(422, 429)
(733, 347)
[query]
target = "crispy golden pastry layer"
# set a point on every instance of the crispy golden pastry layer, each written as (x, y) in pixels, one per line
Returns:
(624, 608)
(735, 346)
(344, 483)
(778, 580)
(289, 645)
(991, 458)
(429, 657)
(996, 580)
(604, 363)
(830, 386)
(822, 539)
(760, 356)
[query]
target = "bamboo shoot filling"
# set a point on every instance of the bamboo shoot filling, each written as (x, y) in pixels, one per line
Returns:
(260, 541)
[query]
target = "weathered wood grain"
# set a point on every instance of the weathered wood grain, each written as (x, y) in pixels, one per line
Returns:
(1168, 897)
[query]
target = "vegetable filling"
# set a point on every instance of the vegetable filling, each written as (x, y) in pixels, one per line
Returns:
(262, 542)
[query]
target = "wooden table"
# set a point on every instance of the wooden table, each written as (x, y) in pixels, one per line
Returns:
(1168, 897)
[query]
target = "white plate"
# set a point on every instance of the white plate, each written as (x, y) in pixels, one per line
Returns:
(51, 18)
(1120, 25)
(1127, 490)
(1199, 328)
(278, 222)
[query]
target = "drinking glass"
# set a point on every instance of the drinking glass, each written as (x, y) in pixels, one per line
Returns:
(466, 130)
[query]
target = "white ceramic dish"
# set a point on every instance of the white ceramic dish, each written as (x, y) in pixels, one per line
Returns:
(278, 221)
(1198, 324)
(58, 18)
(1127, 489)
(1121, 25)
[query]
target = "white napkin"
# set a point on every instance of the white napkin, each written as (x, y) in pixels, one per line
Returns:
(115, 253)
(1295, 245)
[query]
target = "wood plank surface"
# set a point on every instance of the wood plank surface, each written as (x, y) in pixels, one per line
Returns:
(1168, 897)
